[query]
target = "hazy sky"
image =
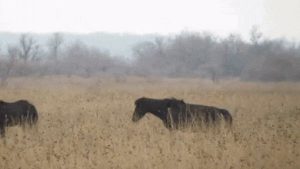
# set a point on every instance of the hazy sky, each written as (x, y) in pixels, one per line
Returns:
(274, 17)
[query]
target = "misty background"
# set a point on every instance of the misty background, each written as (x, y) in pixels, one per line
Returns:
(252, 41)
(186, 54)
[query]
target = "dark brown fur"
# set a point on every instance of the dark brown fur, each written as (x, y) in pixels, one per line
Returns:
(17, 113)
(177, 114)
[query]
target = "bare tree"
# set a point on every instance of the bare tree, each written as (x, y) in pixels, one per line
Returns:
(12, 54)
(255, 35)
(54, 45)
(28, 47)
(83, 60)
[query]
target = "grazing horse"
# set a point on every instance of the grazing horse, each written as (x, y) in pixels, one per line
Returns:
(17, 113)
(177, 114)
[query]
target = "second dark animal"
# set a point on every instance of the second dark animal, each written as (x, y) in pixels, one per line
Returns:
(17, 113)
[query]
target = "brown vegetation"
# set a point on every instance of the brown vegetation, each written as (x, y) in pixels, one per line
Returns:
(86, 123)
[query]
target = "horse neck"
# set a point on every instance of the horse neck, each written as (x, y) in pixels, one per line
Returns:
(160, 113)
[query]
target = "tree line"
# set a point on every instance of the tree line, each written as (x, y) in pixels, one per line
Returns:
(205, 55)
(188, 54)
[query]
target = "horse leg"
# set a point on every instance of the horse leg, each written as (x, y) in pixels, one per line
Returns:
(2, 130)
(206, 120)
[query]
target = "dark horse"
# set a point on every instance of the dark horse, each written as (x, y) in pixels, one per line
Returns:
(17, 113)
(177, 114)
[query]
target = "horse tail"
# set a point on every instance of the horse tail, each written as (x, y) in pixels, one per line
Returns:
(227, 116)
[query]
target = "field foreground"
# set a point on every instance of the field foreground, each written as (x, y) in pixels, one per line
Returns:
(86, 124)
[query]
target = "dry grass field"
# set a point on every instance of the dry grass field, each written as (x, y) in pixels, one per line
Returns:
(86, 124)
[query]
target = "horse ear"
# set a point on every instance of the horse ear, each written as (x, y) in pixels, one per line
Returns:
(138, 101)
(182, 101)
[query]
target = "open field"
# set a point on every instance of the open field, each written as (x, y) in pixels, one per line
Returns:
(86, 124)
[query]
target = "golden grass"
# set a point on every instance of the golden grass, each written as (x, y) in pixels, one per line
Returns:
(86, 124)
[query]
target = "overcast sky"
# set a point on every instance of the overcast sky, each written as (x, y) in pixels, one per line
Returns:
(275, 18)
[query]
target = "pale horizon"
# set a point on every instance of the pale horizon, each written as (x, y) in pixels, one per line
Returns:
(273, 18)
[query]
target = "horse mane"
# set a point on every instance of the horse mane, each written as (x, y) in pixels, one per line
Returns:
(173, 99)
